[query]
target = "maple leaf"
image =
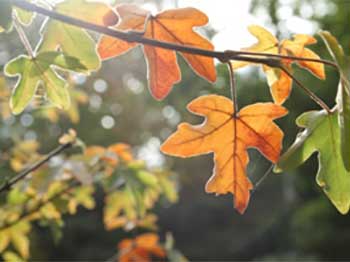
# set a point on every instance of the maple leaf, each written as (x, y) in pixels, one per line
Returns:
(141, 249)
(321, 134)
(40, 70)
(229, 136)
(78, 97)
(343, 97)
(24, 17)
(280, 83)
(173, 26)
(18, 236)
(112, 154)
(72, 40)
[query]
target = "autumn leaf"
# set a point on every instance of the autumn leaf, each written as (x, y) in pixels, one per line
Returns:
(280, 83)
(229, 137)
(16, 235)
(9, 256)
(24, 154)
(173, 26)
(72, 40)
(112, 154)
(141, 249)
(343, 97)
(321, 134)
(39, 70)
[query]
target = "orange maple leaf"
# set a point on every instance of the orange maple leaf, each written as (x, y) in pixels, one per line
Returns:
(280, 83)
(173, 26)
(112, 154)
(140, 249)
(229, 136)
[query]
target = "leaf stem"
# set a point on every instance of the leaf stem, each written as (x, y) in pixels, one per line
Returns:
(233, 89)
(311, 94)
(22, 35)
(225, 56)
(262, 179)
(11, 182)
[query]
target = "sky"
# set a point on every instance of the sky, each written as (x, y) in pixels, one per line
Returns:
(230, 18)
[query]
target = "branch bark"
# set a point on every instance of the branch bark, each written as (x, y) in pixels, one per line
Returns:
(8, 184)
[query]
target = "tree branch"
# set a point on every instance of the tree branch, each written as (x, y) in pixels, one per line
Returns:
(8, 184)
(266, 59)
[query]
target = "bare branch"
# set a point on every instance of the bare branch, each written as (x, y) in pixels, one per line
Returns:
(266, 59)
(8, 184)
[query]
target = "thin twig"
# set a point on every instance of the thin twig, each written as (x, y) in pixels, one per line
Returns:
(41, 205)
(267, 59)
(262, 179)
(297, 58)
(8, 184)
(311, 94)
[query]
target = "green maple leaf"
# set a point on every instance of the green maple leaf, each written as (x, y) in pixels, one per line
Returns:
(40, 70)
(16, 235)
(321, 134)
(24, 17)
(72, 40)
(343, 97)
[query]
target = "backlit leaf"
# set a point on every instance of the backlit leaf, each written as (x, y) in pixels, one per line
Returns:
(25, 17)
(280, 83)
(174, 26)
(343, 97)
(11, 257)
(321, 134)
(229, 137)
(40, 70)
(141, 249)
(75, 41)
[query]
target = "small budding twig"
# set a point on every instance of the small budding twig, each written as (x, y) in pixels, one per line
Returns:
(11, 182)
